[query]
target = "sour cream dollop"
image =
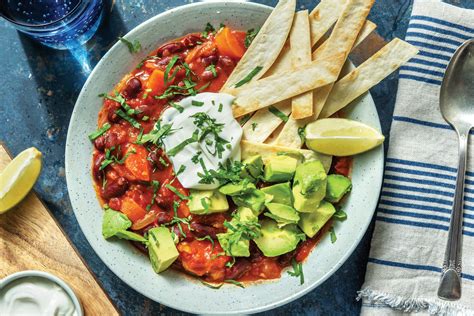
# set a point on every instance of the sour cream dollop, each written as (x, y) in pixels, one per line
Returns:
(217, 107)
(35, 296)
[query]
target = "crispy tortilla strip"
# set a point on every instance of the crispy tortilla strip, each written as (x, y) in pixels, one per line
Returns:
(250, 149)
(267, 45)
(262, 124)
(289, 136)
(368, 74)
(323, 16)
(273, 89)
(300, 43)
(282, 63)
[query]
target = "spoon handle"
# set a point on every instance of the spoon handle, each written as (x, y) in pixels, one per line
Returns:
(450, 284)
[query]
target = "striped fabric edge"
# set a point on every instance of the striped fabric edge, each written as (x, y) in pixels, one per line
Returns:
(406, 119)
(437, 41)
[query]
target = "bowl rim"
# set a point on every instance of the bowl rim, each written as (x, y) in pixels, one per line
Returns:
(48, 276)
(349, 250)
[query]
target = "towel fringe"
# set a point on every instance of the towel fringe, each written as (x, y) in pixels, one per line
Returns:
(407, 305)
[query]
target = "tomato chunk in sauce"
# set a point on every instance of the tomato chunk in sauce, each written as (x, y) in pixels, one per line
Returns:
(134, 178)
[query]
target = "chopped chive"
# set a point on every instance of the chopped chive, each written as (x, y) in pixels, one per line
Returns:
(197, 103)
(175, 191)
(134, 47)
(333, 234)
(212, 68)
(145, 118)
(173, 151)
(100, 131)
(249, 37)
(234, 282)
(254, 126)
(302, 133)
(249, 77)
(128, 118)
(176, 106)
(340, 215)
(278, 113)
(205, 204)
(244, 119)
(181, 170)
(212, 286)
(220, 107)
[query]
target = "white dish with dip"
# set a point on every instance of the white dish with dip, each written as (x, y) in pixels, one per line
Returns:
(37, 293)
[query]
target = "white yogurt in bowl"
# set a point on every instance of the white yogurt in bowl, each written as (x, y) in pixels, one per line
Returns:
(37, 293)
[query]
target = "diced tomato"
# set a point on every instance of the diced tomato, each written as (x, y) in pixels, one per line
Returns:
(132, 209)
(137, 163)
(228, 44)
(342, 165)
(156, 82)
(203, 258)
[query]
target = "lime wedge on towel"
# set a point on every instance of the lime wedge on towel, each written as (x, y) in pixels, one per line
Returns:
(17, 179)
(341, 137)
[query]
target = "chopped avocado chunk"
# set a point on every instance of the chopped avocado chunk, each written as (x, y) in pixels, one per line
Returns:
(237, 188)
(281, 193)
(282, 214)
(254, 166)
(116, 224)
(161, 248)
(338, 186)
(311, 176)
(311, 223)
(275, 241)
(240, 229)
(207, 201)
(255, 200)
(280, 168)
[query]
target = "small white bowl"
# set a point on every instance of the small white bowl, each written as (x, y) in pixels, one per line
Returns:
(48, 276)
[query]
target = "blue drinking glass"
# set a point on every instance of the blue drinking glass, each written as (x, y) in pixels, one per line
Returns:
(61, 24)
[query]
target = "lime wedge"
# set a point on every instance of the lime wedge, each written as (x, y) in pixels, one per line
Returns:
(17, 179)
(341, 137)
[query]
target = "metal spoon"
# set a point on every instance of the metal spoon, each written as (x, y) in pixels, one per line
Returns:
(457, 108)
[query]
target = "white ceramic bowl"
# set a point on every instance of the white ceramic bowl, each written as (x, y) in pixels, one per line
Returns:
(173, 288)
(48, 276)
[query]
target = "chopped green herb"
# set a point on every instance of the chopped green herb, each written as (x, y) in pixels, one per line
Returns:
(220, 107)
(302, 133)
(134, 47)
(100, 131)
(332, 233)
(197, 103)
(110, 158)
(205, 204)
(145, 118)
(163, 162)
(169, 67)
(181, 170)
(297, 270)
(209, 29)
(157, 134)
(244, 119)
(249, 77)
(340, 215)
(207, 237)
(128, 118)
(228, 172)
(254, 126)
(208, 126)
(176, 106)
(156, 186)
(212, 68)
(120, 99)
(249, 36)
(175, 191)
(212, 286)
(278, 113)
(195, 158)
(173, 151)
(234, 282)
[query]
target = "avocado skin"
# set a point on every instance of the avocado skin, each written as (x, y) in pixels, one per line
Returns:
(217, 202)
(161, 248)
(309, 186)
(311, 223)
(281, 193)
(275, 241)
(280, 169)
(337, 187)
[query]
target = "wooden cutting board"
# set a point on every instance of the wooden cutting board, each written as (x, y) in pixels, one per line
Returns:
(31, 239)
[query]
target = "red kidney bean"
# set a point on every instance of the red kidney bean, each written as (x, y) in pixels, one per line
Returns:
(145, 110)
(163, 61)
(155, 158)
(240, 267)
(112, 116)
(207, 75)
(96, 173)
(115, 138)
(191, 40)
(206, 61)
(226, 62)
(132, 88)
(170, 48)
(99, 143)
(115, 188)
(200, 230)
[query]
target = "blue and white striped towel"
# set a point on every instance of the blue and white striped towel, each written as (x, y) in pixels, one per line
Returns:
(413, 214)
